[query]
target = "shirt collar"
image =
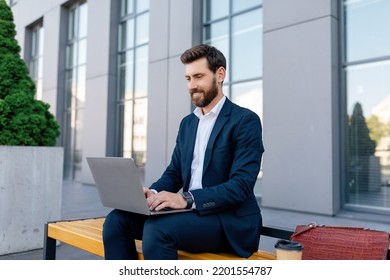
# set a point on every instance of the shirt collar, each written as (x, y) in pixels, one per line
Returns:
(217, 108)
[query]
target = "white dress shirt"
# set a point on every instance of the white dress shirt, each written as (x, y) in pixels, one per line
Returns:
(205, 126)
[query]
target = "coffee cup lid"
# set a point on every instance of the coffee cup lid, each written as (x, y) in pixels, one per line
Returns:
(288, 245)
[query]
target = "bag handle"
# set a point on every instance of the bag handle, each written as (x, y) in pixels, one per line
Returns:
(314, 225)
(304, 229)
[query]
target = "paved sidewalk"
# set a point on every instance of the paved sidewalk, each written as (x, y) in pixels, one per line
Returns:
(82, 201)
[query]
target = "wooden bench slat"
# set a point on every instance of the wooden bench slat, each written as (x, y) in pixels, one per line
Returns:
(92, 223)
(91, 233)
(86, 234)
(83, 239)
(57, 232)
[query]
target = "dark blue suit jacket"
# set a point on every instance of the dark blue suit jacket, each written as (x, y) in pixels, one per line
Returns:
(231, 165)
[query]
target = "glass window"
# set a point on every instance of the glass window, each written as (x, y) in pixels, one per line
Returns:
(126, 38)
(245, 93)
(82, 52)
(368, 145)
(239, 37)
(367, 29)
(75, 91)
(141, 75)
(36, 57)
(142, 29)
(142, 6)
(81, 90)
(70, 57)
(126, 75)
(215, 9)
(239, 5)
(247, 48)
(72, 24)
(127, 7)
(368, 84)
(217, 34)
(140, 130)
(367, 106)
(133, 64)
(128, 129)
(82, 22)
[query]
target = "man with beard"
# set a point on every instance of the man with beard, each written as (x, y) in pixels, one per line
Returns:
(215, 163)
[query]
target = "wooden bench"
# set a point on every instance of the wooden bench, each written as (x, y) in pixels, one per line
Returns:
(86, 234)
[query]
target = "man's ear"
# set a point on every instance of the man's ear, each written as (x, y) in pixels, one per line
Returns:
(221, 74)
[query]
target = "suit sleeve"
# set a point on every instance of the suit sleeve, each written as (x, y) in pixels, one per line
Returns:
(243, 157)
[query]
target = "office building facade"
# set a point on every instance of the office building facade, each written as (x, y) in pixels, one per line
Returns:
(315, 71)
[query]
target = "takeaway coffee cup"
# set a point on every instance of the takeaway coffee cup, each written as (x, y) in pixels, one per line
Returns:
(288, 250)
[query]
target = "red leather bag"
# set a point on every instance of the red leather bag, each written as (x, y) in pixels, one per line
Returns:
(322, 242)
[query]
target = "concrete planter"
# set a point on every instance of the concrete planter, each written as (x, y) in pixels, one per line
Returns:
(30, 194)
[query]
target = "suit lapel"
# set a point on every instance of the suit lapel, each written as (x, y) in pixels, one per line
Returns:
(189, 149)
(223, 117)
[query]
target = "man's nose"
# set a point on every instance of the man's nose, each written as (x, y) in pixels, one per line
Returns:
(192, 85)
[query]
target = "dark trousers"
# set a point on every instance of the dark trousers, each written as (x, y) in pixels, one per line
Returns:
(162, 235)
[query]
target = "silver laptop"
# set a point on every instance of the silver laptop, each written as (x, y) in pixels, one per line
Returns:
(119, 185)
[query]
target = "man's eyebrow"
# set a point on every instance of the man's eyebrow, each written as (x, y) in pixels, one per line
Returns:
(195, 74)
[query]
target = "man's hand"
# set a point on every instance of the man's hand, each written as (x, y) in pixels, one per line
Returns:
(148, 192)
(166, 199)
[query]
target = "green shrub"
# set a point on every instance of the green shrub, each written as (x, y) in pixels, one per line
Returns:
(24, 121)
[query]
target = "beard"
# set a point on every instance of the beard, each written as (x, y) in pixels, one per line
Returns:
(201, 98)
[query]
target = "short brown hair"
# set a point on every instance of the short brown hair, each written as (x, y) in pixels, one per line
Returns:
(214, 57)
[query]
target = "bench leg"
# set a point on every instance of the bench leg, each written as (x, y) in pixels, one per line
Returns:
(49, 249)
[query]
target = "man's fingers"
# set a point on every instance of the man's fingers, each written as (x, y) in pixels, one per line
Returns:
(164, 200)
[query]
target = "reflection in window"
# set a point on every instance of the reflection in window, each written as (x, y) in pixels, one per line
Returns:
(240, 37)
(246, 93)
(139, 129)
(141, 75)
(133, 80)
(75, 78)
(367, 29)
(239, 5)
(366, 72)
(36, 57)
(247, 48)
(215, 9)
(127, 128)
